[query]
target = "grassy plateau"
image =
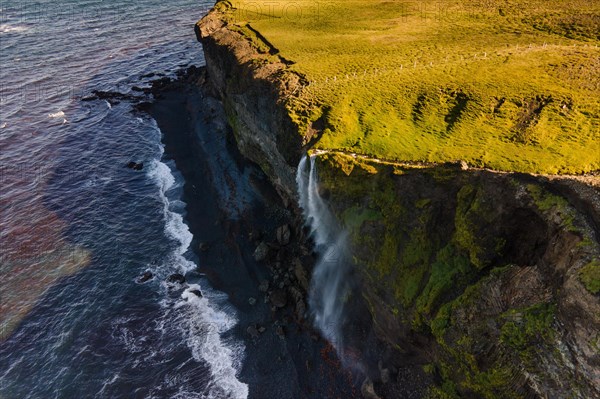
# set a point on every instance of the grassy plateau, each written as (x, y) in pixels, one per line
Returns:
(510, 85)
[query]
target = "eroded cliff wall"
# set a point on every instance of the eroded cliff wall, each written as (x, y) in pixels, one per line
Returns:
(489, 278)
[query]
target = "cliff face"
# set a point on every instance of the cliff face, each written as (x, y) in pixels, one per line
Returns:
(255, 86)
(490, 278)
(484, 272)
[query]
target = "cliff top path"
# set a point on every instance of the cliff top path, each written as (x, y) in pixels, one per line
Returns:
(507, 85)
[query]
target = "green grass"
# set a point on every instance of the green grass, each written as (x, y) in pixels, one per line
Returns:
(510, 85)
(590, 276)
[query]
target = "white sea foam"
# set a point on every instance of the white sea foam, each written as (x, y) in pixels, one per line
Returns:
(206, 325)
(59, 114)
(203, 322)
(9, 28)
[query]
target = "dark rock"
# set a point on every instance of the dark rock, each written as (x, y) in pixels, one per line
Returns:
(147, 275)
(176, 278)
(261, 252)
(264, 286)
(283, 234)
(384, 373)
(367, 390)
(300, 274)
(280, 332)
(252, 331)
(196, 292)
(135, 165)
(279, 298)
(203, 246)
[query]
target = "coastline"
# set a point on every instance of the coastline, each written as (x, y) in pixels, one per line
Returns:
(288, 359)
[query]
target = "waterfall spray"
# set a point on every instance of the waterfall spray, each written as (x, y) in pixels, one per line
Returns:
(329, 287)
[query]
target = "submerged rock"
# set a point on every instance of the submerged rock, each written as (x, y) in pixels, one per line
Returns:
(147, 275)
(176, 278)
(135, 165)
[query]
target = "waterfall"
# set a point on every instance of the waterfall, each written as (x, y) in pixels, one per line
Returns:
(329, 286)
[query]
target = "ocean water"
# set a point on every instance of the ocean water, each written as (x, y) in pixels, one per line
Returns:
(77, 228)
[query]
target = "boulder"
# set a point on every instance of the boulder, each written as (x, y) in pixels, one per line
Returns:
(176, 278)
(252, 331)
(264, 286)
(283, 234)
(367, 390)
(147, 275)
(196, 292)
(135, 165)
(261, 252)
(300, 274)
(203, 246)
(280, 332)
(278, 298)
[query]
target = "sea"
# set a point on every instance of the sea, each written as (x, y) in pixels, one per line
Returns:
(78, 228)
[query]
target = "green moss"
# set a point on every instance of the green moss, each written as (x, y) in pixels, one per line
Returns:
(524, 330)
(447, 276)
(547, 202)
(590, 276)
(354, 217)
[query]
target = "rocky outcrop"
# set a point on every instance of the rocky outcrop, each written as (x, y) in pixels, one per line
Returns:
(488, 279)
(480, 273)
(256, 87)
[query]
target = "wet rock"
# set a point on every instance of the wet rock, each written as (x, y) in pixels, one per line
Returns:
(283, 234)
(384, 373)
(252, 301)
(196, 292)
(280, 332)
(367, 390)
(135, 165)
(203, 247)
(176, 278)
(261, 252)
(279, 298)
(264, 286)
(298, 300)
(252, 331)
(147, 275)
(300, 274)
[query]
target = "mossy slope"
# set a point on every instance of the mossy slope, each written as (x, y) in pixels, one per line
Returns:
(484, 264)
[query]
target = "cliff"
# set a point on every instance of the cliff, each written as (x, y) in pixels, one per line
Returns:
(491, 280)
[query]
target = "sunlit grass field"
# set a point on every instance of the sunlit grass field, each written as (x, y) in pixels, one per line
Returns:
(509, 85)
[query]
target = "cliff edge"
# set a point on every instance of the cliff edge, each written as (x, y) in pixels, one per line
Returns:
(490, 280)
